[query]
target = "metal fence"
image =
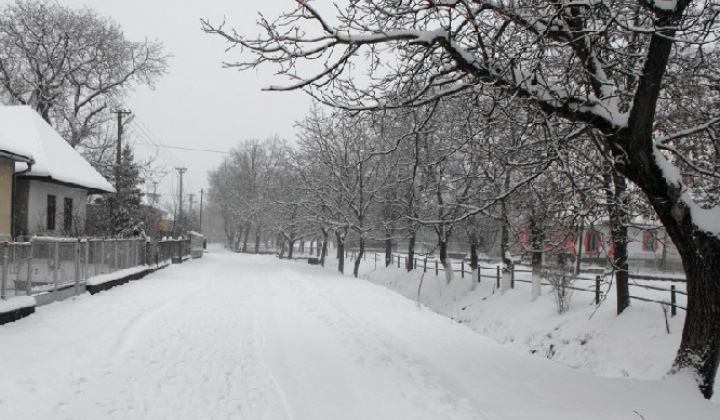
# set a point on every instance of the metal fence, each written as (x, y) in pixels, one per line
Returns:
(49, 264)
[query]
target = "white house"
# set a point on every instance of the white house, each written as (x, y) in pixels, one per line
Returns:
(50, 194)
(10, 153)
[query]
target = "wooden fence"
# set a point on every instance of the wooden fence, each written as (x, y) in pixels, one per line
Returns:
(595, 280)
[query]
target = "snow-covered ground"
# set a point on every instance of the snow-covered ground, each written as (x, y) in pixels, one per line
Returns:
(235, 336)
(593, 339)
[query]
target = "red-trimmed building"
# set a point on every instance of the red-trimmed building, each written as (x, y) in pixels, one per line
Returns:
(648, 246)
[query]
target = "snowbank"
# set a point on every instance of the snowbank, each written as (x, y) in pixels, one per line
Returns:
(117, 275)
(16, 308)
(15, 303)
(641, 343)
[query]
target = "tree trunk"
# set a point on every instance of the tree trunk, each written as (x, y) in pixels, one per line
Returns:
(578, 255)
(257, 239)
(291, 245)
(340, 251)
(699, 350)
(248, 225)
(618, 209)
(700, 344)
(411, 250)
(388, 249)
(356, 268)
(323, 253)
(474, 263)
(282, 249)
(505, 250)
(537, 238)
(447, 265)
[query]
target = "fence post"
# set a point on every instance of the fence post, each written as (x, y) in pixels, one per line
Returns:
(414, 263)
(86, 262)
(56, 267)
(102, 258)
(157, 254)
(436, 268)
(462, 269)
(5, 257)
(597, 290)
(28, 285)
(497, 274)
(398, 261)
(673, 301)
(425, 265)
(116, 254)
(77, 267)
(512, 276)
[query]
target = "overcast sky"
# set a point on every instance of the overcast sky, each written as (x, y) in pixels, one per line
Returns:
(200, 104)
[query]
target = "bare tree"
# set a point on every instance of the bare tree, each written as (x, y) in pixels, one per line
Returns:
(71, 65)
(348, 175)
(609, 65)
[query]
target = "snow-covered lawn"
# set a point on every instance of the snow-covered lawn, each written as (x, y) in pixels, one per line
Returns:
(235, 336)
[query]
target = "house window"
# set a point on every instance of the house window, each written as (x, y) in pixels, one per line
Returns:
(51, 209)
(67, 214)
(649, 241)
(592, 241)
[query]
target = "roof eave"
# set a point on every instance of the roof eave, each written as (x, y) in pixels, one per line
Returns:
(15, 157)
(50, 179)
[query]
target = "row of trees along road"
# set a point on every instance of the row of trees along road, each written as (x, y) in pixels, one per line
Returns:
(75, 67)
(381, 177)
(636, 80)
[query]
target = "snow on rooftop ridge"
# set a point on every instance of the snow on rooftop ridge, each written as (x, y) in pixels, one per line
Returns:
(25, 130)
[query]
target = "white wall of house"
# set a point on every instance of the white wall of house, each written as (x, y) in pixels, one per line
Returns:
(38, 204)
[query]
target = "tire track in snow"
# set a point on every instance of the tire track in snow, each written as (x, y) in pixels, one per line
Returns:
(287, 414)
(197, 356)
(360, 352)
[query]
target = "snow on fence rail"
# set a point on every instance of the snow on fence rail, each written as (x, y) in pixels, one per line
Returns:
(46, 265)
(638, 281)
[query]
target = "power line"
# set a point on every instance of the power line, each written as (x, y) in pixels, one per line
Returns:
(196, 150)
(146, 136)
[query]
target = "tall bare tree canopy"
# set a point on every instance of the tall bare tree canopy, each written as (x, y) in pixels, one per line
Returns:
(71, 65)
(639, 75)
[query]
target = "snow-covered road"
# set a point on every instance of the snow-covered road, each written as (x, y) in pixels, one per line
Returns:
(246, 337)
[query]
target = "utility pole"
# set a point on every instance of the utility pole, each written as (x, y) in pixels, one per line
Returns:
(201, 204)
(181, 171)
(191, 200)
(155, 196)
(118, 159)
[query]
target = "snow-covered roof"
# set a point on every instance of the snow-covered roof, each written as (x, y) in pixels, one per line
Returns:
(24, 130)
(16, 152)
